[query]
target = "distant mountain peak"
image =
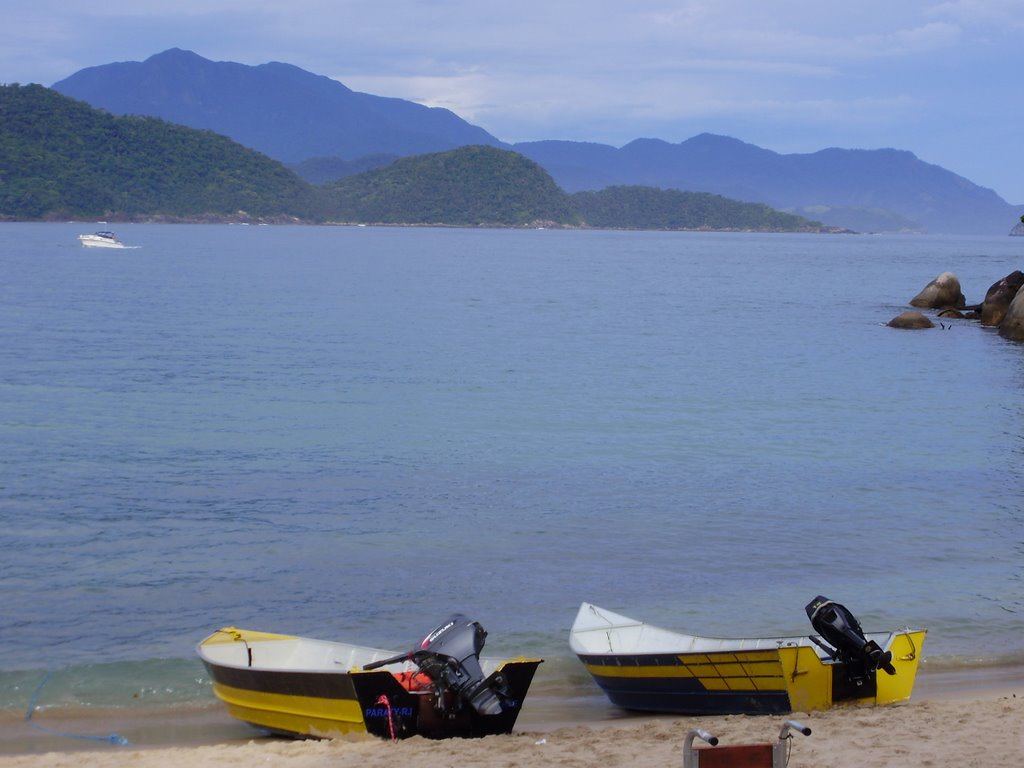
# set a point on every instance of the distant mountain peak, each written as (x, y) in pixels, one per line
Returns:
(175, 54)
(646, 142)
(717, 139)
(278, 109)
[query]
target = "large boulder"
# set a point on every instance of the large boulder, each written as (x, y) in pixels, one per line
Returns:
(943, 291)
(911, 320)
(998, 298)
(1012, 326)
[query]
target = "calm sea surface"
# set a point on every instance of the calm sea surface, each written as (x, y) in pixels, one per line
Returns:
(349, 433)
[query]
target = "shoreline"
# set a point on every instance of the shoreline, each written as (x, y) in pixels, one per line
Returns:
(986, 703)
(288, 221)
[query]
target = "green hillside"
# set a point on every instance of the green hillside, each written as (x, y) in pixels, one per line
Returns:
(649, 208)
(60, 158)
(472, 186)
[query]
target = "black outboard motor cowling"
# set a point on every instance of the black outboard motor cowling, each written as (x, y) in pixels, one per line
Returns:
(842, 631)
(450, 656)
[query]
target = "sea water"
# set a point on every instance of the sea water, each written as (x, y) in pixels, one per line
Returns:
(351, 432)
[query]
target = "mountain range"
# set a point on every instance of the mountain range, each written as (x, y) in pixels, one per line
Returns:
(322, 129)
(62, 159)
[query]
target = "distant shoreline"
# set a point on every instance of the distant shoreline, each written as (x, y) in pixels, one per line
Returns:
(292, 221)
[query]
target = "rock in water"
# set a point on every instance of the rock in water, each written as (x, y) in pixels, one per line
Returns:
(1012, 326)
(998, 298)
(911, 320)
(943, 291)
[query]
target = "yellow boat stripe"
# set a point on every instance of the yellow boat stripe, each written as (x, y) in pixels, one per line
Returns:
(748, 671)
(299, 714)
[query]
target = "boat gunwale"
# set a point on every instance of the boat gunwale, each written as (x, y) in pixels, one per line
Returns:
(700, 644)
(490, 664)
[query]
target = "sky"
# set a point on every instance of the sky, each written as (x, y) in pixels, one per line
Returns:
(941, 78)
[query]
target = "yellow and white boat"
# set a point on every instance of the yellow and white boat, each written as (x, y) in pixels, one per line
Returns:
(306, 688)
(646, 668)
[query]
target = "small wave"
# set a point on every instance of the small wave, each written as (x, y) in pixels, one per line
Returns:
(130, 684)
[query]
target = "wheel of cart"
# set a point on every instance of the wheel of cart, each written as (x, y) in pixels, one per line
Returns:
(764, 755)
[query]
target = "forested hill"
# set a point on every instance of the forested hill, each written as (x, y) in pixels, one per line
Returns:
(60, 158)
(475, 185)
(627, 207)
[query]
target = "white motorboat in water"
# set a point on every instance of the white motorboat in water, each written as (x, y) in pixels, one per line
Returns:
(102, 239)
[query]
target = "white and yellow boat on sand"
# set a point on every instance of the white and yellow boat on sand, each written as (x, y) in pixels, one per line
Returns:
(306, 688)
(646, 668)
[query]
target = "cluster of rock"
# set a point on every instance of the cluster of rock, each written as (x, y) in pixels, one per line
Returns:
(1003, 307)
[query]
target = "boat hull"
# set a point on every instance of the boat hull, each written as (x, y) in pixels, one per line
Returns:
(327, 703)
(97, 241)
(720, 677)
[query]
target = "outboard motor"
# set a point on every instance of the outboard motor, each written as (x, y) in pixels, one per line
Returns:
(450, 655)
(839, 628)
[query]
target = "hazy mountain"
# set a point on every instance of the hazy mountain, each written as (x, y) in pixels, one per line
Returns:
(305, 120)
(323, 170)
(882, 189)
(278, 109)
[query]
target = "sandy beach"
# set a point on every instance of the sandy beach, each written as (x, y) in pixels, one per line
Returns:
(954, 720)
